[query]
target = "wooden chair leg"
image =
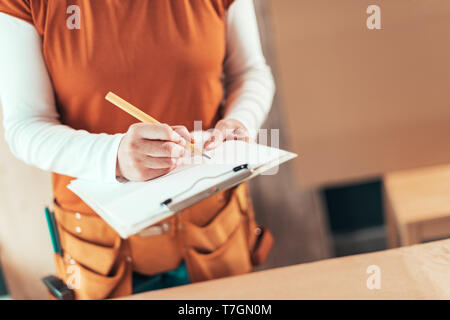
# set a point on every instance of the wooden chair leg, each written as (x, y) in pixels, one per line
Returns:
(410, 235)
(392, 231)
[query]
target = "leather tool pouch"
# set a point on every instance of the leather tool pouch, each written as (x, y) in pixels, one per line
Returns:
(217, 237)
(262, 247)
(94, 260)
(230, 244)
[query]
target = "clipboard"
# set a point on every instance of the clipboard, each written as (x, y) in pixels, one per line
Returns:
(130, 208)
(239, 175)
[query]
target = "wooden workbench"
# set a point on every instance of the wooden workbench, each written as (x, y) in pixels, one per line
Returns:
(417, 272)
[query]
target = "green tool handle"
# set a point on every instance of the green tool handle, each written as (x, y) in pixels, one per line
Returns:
(51, 223)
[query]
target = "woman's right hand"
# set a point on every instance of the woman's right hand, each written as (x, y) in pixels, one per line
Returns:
(148, 151)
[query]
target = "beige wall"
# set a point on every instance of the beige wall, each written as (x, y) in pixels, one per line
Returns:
(25, 248)
(363, 102)
(297, 217)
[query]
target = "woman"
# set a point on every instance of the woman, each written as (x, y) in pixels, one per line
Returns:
(172, 58)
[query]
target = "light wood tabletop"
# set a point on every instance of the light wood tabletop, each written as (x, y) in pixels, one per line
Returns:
(417, 272)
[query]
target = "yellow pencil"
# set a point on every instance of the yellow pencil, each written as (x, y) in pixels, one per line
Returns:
(139, 114)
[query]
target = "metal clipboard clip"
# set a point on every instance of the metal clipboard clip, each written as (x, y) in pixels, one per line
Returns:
(242, 173)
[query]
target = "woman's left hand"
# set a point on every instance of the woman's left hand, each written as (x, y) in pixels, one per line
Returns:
(227, 129)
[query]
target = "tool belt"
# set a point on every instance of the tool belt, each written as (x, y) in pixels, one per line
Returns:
(216, 238)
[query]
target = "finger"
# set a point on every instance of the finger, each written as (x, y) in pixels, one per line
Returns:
(238, 134)
(184, 133)
(216, 140)
(156, 131)
(161, 149)
(242, 134)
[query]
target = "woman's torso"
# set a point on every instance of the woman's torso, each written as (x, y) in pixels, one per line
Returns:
(163, 56)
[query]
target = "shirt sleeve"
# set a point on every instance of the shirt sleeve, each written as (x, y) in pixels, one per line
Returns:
(20, 9)
(32, 127)
(249, 83)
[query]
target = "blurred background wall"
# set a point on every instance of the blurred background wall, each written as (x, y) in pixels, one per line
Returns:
(25, 248)
(297, 217)
(323, 220)
(360, 103)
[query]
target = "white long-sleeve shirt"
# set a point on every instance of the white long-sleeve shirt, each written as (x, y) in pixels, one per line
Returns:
(36, 136)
